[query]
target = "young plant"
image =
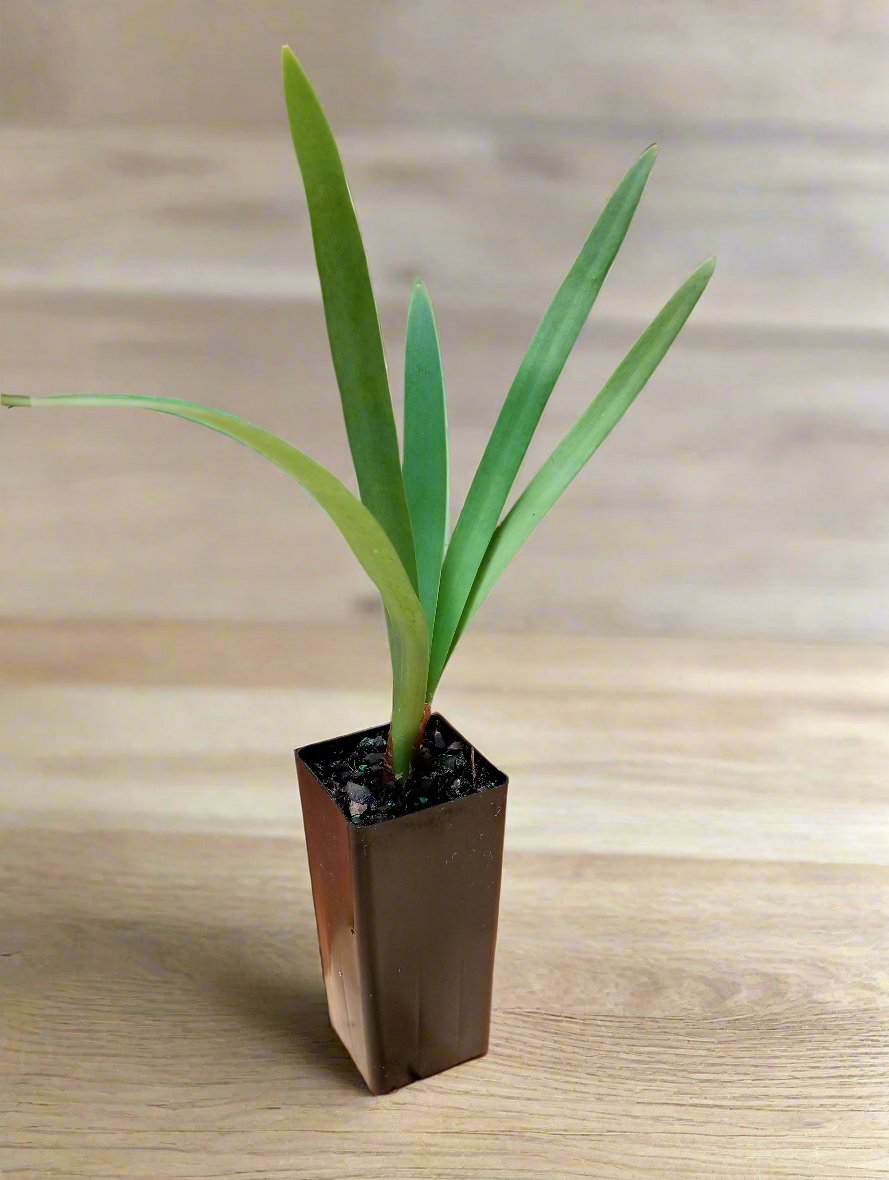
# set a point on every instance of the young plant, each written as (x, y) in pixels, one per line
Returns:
(398, 529)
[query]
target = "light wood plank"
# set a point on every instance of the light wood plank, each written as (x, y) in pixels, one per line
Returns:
(491, 217)
(796, 66)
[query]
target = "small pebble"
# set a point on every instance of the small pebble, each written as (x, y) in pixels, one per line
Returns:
(438, 741)
(356, 809)
(358, 794)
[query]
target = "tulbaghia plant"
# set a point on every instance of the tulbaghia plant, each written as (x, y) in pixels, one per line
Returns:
(431, 585)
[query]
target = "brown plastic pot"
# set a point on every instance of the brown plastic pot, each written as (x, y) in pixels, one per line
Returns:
(407, 924)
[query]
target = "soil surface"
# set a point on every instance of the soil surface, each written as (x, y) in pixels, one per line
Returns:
(351, 771)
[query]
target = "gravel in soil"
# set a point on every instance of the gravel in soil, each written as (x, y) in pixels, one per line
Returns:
(446, 768)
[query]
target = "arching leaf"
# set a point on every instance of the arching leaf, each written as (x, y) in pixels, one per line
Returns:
(363, 534)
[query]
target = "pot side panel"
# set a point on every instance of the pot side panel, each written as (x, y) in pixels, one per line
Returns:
(330, 867)
(428, 891)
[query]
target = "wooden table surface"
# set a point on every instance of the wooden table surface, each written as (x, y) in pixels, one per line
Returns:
(692, 967)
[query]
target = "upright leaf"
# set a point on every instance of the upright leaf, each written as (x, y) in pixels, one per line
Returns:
(584, 438)
(353, 326)
(364, 536)
(425, 446)
(524, 404)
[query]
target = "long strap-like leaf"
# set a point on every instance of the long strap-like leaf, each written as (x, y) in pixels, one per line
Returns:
(524, 404)
(584, 438)
(363, 534)
(353, 325)
(425, 446)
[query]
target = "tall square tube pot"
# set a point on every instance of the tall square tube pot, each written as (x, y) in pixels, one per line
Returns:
(406, 911)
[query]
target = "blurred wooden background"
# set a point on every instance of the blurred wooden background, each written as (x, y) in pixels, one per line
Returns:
(691, 977)
(153, 237)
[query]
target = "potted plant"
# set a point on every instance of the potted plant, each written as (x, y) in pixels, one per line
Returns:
(404, 822)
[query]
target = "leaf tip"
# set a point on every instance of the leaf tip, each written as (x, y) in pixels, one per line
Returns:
(645, 163)
(420, 301)
(419, 291)
(291, 69)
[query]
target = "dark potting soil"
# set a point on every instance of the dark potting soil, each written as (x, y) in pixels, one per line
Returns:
(446, 767)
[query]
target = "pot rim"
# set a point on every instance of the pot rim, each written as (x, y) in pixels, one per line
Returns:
(304, 753)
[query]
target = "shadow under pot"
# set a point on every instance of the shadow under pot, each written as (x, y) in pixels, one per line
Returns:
(406, 891)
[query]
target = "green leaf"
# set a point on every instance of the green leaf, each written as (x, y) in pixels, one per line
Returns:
(425, 446)
(524, 404)
(353, 326)
(583, 440)
(363, 534)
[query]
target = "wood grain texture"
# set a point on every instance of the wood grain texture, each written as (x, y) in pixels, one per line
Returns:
(795, 66)
(691, 977)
